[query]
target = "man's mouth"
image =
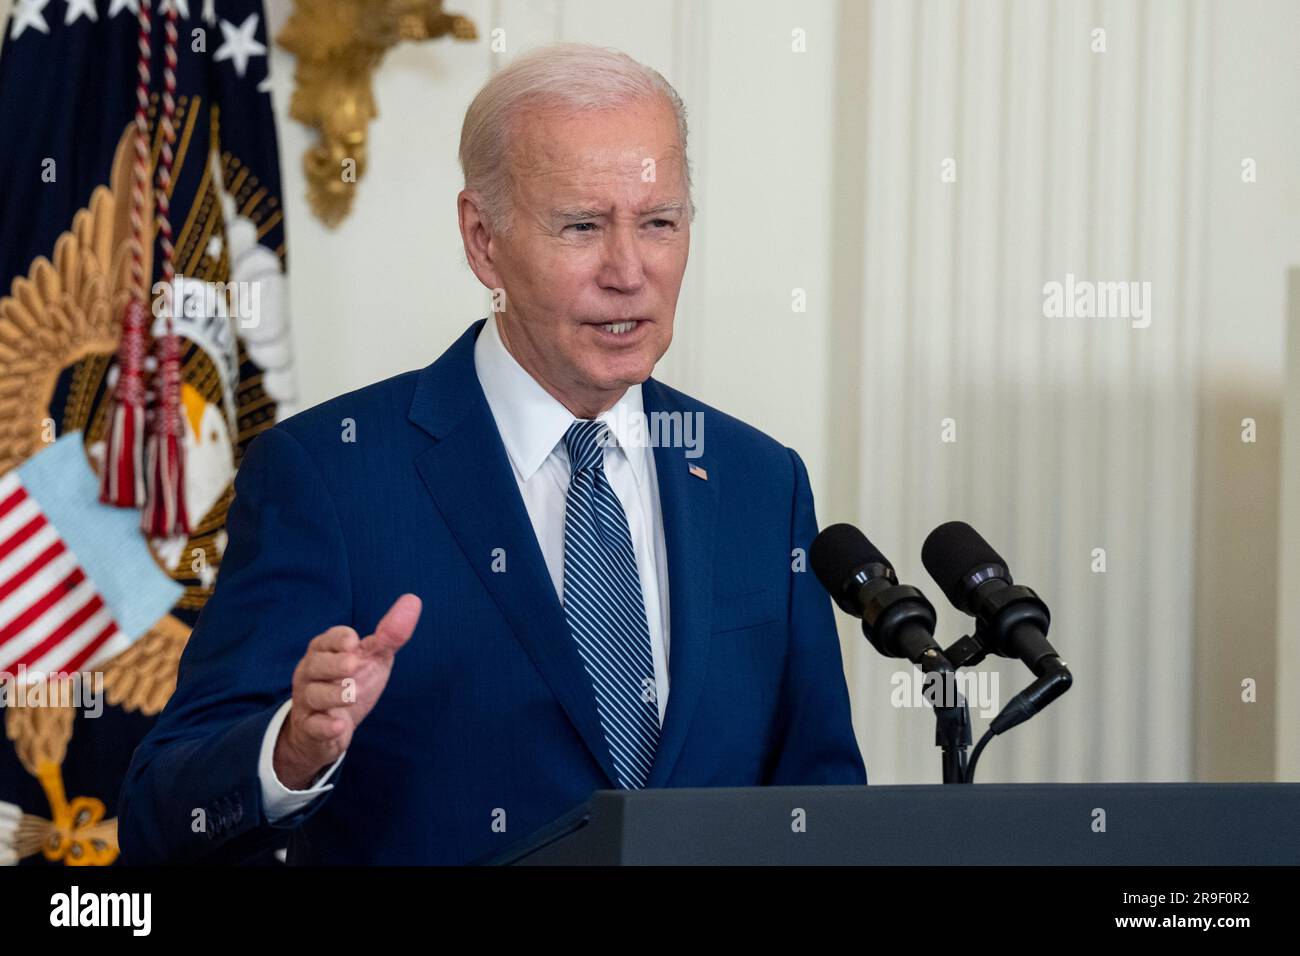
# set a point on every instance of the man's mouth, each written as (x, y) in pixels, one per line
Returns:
(625, 327)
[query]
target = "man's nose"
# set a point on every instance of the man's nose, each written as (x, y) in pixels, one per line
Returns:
(622, 267)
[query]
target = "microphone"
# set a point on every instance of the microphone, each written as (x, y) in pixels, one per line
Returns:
(1012, 620)
(897, 620)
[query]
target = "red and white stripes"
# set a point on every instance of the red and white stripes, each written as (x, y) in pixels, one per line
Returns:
(52, 618)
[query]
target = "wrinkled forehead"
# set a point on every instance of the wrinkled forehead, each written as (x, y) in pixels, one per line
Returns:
(634, 148)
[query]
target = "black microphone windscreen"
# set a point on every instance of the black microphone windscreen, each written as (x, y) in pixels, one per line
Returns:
(951, 552)
(838, 552)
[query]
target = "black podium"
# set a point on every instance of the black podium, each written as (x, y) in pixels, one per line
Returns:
(1127, 824)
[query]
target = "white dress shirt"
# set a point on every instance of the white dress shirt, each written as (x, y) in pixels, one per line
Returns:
(532, 426)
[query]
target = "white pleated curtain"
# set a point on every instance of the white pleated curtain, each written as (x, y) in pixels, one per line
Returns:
(1071, 434)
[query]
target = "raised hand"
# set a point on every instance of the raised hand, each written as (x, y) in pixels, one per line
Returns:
(335, 685)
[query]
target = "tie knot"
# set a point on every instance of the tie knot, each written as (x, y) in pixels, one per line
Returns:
(585, 442)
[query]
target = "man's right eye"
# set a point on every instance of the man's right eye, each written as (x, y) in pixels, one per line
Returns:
(579, 225)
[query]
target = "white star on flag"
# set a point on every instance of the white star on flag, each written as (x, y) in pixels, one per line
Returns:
(182, 7)
(240, 44)
(29, 13)
(131, 6)
(77, 7)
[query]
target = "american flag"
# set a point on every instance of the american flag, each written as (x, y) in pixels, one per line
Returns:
(52, 618)
(60, 612)
(74, 573)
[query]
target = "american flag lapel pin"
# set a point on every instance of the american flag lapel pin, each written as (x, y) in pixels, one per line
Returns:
(698, 472)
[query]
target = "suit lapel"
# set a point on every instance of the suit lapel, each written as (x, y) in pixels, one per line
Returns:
(469, 477)
(688, 504)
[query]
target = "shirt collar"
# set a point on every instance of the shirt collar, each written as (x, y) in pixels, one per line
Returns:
(532, 422)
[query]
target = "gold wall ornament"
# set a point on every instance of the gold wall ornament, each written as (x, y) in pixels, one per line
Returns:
(338, 44)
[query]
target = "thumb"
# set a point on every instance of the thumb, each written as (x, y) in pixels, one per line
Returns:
(396, 627)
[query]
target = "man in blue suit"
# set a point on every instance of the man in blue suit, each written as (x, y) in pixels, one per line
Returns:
(599, 580)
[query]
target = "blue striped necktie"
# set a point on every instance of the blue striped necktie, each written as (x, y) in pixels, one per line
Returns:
(605, 608)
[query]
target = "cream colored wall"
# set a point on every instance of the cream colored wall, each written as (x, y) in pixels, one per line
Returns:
(388, 289)
(1288, 631)
(1251, 240)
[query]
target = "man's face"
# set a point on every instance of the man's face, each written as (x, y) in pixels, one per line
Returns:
(593, 262)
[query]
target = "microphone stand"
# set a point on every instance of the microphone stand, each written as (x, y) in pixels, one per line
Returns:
(951, 719)
(1053, 680)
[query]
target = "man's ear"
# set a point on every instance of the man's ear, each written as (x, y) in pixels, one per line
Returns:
(480, 242)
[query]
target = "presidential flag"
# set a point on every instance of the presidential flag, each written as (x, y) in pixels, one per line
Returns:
(138, 143)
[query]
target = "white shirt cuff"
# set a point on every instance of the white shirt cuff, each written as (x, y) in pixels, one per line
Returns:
(278, 801)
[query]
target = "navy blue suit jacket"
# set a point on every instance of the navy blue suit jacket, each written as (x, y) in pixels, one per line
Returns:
(489, 718)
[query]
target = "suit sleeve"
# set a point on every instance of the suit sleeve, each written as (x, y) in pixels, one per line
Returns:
(192, 791)
(814, 740)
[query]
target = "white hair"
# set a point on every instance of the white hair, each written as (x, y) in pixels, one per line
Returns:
(571, 76)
